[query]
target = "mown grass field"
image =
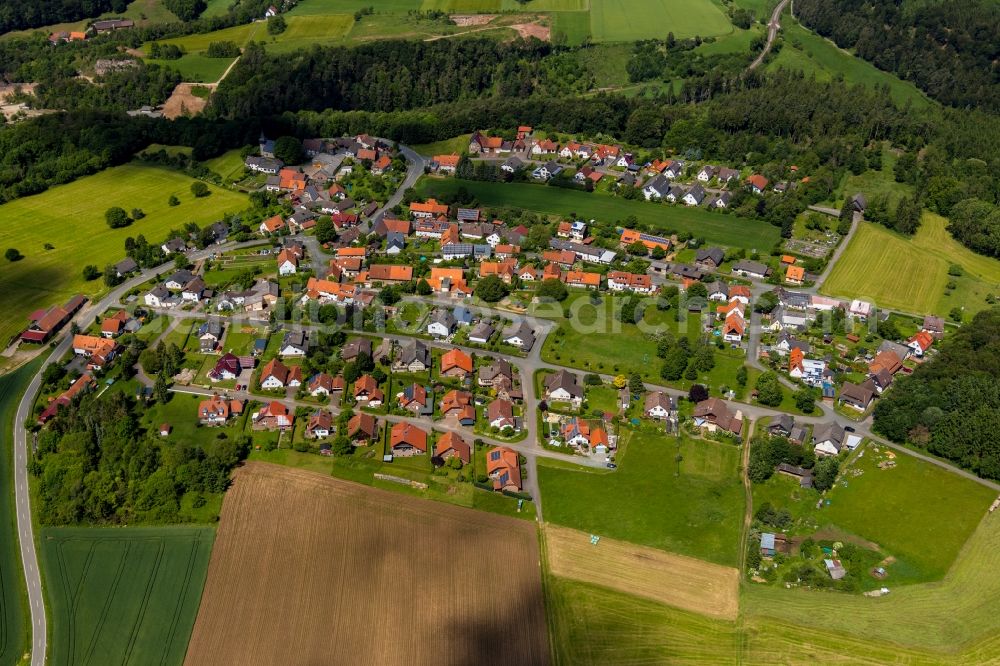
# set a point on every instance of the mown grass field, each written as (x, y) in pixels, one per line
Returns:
(626, 21)
(196, 67)
(123, 595)
(573, 27)
(71, 218)
(13, 596)
(458, 144)
(806, 51)
(911, 274)
(229, 165)
(697, 513)
(716, 229)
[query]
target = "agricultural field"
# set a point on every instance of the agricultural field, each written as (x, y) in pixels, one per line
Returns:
(703, 493)
(229, 165)
(716, 229)
(684, 582)
(71, 219)
(805, 51)
(625, 21)
(573, 27)
(911, 274)
(325, 549)
(123, 595)
(458, 144)
(13, 597)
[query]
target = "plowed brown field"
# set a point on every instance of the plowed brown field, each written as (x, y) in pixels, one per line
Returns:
(308, 569)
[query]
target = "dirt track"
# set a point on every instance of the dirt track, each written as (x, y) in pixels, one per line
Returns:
(684, 582)
(307, 569)
(182, 101)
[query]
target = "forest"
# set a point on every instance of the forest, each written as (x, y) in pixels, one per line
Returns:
(22, 14)
(948, 49)
(949, 405)
(96, 464)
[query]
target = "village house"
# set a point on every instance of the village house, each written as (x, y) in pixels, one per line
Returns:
(209, 336)
(406, 439)
(783, 425)
(500, 414)
(828, 439)
(630, 236)
(503, 466)
(714, 415)
(519, 334)
(273, 416)
(563, 386)
(367, 391)
(660, 406)
(456, 364)
(227, 368)
(218, 410)
(752, 269)
(356, 347)
(451, 445)
(635, 282)
(428, 209)
(442, 323)
(276, 375)
(97, 350)
(322, 384)
(920, 343)
(362, 429)
(458, 405)
(858, 396)
(482, 332)
(112, 327)
(83, 383)
(416, 398)
(414, 356)
(294, 344)
(320, 425)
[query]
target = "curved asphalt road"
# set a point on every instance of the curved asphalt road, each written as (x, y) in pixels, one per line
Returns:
(25, 529)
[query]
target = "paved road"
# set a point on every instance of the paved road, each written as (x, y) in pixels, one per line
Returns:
(25, 530)
(772, 32)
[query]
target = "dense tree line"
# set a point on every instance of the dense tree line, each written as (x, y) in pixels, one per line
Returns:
(949, 405)
(22, 14)
(976, 223)
(948, 49)
(96, 464)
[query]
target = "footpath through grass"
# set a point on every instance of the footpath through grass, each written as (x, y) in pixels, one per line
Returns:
(715, 228)
(13, 596)
(71, 219)
(697, 513)
(123, 595)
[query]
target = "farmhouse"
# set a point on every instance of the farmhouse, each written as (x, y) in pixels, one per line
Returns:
(44, 323)
(504, 467)
(451, 445)
(82, 384)
(406, 439)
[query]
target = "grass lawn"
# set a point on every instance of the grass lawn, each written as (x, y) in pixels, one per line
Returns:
(13, 596)
(197, 67)
(216, 8)
(624, 21)
(806, 51)
(305, 31)
(911, 274)
(698, 513)
(876, 183)
(604, 398)
(71, 217)
(737, 42)
(458, 144)
(716, 229)
(121, 594)
(324, 7)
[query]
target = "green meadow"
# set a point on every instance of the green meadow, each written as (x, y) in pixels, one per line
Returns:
(70, 218)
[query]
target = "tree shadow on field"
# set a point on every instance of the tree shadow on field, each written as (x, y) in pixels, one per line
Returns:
(519, 637)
